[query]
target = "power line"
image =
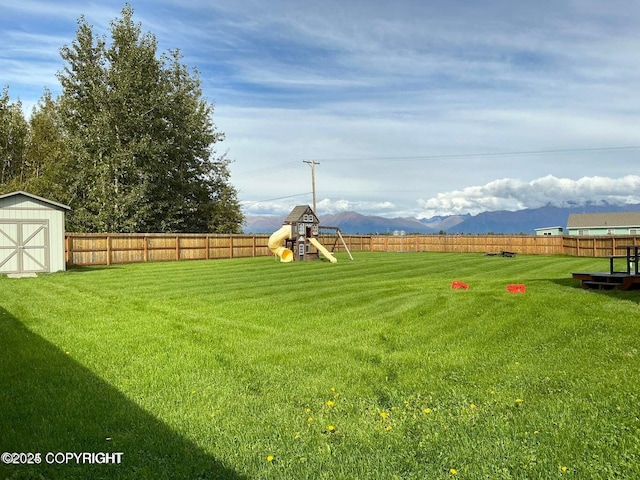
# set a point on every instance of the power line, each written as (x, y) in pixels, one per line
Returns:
(277, 198)
(486, 154)
(256, 172)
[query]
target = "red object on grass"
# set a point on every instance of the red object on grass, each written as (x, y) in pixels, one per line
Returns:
(456, 285)
(516, 288)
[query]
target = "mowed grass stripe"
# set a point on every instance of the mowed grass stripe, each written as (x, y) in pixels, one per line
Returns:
(249, 358)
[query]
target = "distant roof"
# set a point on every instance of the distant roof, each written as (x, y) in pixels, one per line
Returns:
(35, 197)
(603, 220)
(549, 228)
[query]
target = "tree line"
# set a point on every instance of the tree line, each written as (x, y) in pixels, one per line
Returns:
(129, 144)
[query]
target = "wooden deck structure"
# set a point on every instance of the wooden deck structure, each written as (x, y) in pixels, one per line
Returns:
(627, 279)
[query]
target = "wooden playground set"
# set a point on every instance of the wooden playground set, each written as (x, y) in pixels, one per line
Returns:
(299, 231)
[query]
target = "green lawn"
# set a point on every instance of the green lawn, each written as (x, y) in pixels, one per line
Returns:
(371, 369)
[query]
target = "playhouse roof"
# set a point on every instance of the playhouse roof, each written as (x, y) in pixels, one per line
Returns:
(297, 213)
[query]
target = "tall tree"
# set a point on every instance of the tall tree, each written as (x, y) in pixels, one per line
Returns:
(13, 138)
(83, 118)
(141, 138)
(46, 155)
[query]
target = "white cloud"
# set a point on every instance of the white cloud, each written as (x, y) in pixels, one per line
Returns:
(504, 194)
(324, 206)
(512, 194)
(329, 206)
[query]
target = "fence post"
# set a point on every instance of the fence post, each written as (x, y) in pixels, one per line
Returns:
(69, 245)
(108, 249)
(613, 245)
(177, 247)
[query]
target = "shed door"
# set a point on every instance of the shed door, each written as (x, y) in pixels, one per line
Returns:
(24, 246)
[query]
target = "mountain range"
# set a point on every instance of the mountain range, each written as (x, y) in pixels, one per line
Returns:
(506, 222)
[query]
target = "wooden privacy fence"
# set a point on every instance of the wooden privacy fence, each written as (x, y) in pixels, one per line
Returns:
(598, 246)
(525, 244)
(112, 248)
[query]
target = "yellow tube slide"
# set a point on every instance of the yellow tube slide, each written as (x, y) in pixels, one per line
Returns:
(323, 250)
(275, 243)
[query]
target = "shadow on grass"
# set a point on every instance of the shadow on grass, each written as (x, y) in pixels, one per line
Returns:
(629, 295)
(565, 282)
(51, 403)
(91, 268)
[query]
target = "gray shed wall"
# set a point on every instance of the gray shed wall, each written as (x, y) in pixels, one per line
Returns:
(31, 216)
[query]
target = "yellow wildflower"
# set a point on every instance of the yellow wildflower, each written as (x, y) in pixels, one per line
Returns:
(453, 471)
(563, 468)
(384, 414)
(269, 458)
(310, 419)
(427, 410)
(331, 428)
(330, 403)
(472, 406)
(388, 428)
(519, 400)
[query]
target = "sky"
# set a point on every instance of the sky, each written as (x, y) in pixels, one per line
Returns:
(415, 108)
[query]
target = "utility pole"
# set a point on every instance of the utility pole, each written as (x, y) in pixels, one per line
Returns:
(312, 164)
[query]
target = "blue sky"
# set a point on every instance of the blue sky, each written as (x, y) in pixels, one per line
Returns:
(412, 108)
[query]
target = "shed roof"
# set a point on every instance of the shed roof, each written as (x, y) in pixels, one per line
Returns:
(604, 220)
(53, 204)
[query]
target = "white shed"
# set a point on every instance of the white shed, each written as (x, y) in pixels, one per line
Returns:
(31, 234)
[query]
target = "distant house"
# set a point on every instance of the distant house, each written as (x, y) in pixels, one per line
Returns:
(623, 223)
(549, 231)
